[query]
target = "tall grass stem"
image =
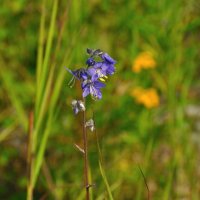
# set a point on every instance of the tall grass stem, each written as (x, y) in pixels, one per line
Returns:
(30, 158)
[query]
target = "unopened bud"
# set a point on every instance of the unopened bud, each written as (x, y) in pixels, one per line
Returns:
(78, 106)
(90, 124)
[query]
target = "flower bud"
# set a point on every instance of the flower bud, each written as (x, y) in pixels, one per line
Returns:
(77, 106)
(90, 124)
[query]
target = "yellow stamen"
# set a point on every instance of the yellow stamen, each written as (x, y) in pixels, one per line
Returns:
(101, 79)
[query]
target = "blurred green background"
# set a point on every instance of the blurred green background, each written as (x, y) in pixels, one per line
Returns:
(148, 117)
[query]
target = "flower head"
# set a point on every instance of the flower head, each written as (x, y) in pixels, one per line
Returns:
(148, 97)
(144, 60)
(92, 88)
(97, 71)
(99, 66)
(102, 68)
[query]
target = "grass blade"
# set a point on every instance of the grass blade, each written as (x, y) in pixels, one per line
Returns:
(44, 70)
(40, 51)
(105, 181)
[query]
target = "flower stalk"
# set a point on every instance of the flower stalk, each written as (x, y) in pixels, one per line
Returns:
(91, 78)
(86, 164)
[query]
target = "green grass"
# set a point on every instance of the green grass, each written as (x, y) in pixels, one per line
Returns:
(38, 39)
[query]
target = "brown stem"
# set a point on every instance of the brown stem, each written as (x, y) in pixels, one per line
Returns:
(30, 158)
(86, 167)
(47, 175)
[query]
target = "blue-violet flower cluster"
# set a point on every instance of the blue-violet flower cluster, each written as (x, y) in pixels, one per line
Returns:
(99, 66)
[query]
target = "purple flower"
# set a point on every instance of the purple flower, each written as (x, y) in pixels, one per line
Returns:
(79, 73)
(106, 68)
(99, 66)
(106, 58)
(92, 88)
(109, 63)
(97, 71)
(90, 62)
(101, 69)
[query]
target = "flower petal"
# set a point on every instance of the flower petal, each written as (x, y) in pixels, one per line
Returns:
(98, 84)
(91, 71)
(86, 91)
(99, 94)
(84, 84)
(98, 65)
(108, 59)
(110, 70)
(95, 77)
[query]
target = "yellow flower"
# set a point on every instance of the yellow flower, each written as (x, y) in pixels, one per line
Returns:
(144, 60)
(148, 97)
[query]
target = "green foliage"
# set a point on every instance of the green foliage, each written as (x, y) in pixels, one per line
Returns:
(39, 38)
